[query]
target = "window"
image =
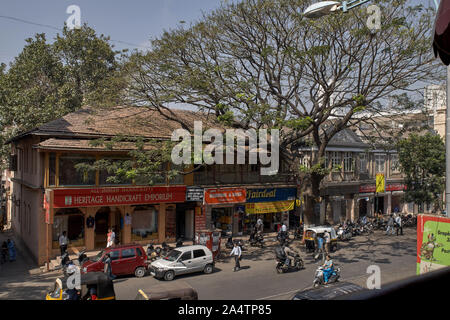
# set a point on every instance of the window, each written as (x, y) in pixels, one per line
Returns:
(335, 159)
(363, 162)
(70, 220)
(52, 169)
(104, 174)
(186, 256)
(70, 176)
(128, 253)
(139, 252)
(114, 254)
(199, 253)
(380, 160)
(305, 161)
(348, 162)
(395, 164)
(144, 223)
(327, 160)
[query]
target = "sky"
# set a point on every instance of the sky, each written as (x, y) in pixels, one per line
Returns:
(132, 21)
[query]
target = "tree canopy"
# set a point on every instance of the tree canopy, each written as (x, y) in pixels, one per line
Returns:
(261, 64)
(48, 80)
(422, 161)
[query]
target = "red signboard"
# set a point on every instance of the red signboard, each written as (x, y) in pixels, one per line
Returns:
(369, 188)
(231, 195)
(70, 198)
(200, 219)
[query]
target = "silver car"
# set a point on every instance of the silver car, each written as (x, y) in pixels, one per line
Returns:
(183, 260)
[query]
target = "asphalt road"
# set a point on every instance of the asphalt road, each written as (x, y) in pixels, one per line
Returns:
(395, 256)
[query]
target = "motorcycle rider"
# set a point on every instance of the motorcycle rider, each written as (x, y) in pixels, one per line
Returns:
(288, 251)
(328, 269)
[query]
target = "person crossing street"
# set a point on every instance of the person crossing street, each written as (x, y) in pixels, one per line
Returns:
(237, 252)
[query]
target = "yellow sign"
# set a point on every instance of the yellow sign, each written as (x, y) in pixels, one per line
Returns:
(269, 207)
(380, 183)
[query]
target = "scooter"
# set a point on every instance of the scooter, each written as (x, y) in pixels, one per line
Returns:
(281, 266)
(318, 277)
(229, 243)
(344, 234)
(256, 239)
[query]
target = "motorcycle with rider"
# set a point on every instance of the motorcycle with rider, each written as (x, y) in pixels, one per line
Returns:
(284, 262)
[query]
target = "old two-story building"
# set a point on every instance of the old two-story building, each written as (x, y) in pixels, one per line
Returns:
(349, 190)
(49, 194)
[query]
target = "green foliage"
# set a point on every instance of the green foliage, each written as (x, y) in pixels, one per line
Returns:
(422, 161)
(46, 81)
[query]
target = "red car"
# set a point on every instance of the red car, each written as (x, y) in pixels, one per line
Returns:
(125, 260)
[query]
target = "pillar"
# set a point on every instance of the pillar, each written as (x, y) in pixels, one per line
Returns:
(126, 231)
(162, 223)
(389, 203)
(89, 233)
(322, 212)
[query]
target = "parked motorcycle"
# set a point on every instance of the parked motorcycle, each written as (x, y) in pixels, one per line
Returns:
(256, 239)
(344, 234)
(319, 279)
(298, 233)
(283, 237)
(152, 253)
(296, 264)
(229, 244)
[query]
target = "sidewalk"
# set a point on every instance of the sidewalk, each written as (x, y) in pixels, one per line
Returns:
(22, 279)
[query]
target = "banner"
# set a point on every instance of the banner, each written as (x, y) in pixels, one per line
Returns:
(269, 207)
(380, 183)
(433, 243)
(230, 195)
(271, 194)
(71, 198)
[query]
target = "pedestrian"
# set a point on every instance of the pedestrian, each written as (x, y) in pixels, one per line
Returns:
(237, 252)
(390, 226)
(327, 242)
(63, 242)
(398, 222)
(319, 247)
(107, 268)
(11, 250)
(4, 253)
(111, 238)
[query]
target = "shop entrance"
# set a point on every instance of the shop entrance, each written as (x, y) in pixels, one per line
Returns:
(101, 226)
(362, 207)
(378, 204)
(185, 222)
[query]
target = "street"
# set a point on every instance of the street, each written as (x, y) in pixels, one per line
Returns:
(396, 257)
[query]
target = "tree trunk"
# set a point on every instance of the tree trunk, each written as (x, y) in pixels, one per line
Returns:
(312, 199)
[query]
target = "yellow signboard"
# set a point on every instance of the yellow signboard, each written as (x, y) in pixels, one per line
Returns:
(380, 183)
(269, 207)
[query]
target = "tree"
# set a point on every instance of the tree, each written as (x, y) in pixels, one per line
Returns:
(259, 64)
(46, 81)
(422, 161)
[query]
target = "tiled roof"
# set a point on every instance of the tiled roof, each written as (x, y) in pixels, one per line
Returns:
(119, 120)
(86, 145)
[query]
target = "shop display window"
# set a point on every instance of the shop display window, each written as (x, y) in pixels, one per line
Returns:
(144, 225)
(71, 221)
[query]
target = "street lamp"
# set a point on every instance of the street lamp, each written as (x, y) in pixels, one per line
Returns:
(323, 8)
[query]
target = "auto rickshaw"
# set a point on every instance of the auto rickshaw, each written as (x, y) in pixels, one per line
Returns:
(99, 282)
(168, 291)
(311, 234)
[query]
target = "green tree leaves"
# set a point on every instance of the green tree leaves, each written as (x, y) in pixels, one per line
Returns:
(422, 160)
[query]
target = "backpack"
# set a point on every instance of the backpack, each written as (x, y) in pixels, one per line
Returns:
(280, 253)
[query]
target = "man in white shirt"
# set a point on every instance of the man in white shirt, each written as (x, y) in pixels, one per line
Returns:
(63, 242)
(327, 239)
(237, 252)
(398, 221)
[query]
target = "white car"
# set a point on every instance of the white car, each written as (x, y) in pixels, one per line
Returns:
(183, 260)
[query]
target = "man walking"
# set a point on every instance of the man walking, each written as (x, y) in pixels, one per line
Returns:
(327, 242)
(108, 269)
(237, 252)
(63, 242)
(319, 247)
(390, 226)
(398, 221)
